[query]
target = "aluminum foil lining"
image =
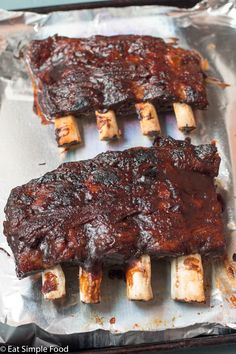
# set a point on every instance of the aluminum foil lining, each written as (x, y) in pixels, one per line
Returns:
(28, 150)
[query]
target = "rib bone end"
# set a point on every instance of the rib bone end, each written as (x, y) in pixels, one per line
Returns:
(90, 286)
(149, 121)
(138, 279)
(53, 283)
(184, 117)
(187, 279)
(107, 125)
(67, 131)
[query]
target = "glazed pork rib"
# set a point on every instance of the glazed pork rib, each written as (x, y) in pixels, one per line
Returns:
(128, 206)
(109, 75)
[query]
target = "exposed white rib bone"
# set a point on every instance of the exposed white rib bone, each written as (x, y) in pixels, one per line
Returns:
(149, 121)
(107, 125)
(90, 286)
(187, 279)
(184, 117)
(138, 279)
(53, 283)
(67, 131)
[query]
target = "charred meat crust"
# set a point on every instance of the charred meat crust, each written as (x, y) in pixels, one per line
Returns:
(159, 201)
(76, 76)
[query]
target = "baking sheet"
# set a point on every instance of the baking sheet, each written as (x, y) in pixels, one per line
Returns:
(28, 150)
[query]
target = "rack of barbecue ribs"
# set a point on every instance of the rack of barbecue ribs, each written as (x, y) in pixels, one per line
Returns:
(127, 206)
(113, 76)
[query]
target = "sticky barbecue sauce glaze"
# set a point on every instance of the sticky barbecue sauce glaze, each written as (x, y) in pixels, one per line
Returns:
(159, 201)
(81, 75)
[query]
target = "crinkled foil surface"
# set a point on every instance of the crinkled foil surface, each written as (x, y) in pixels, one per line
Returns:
(28, 150)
